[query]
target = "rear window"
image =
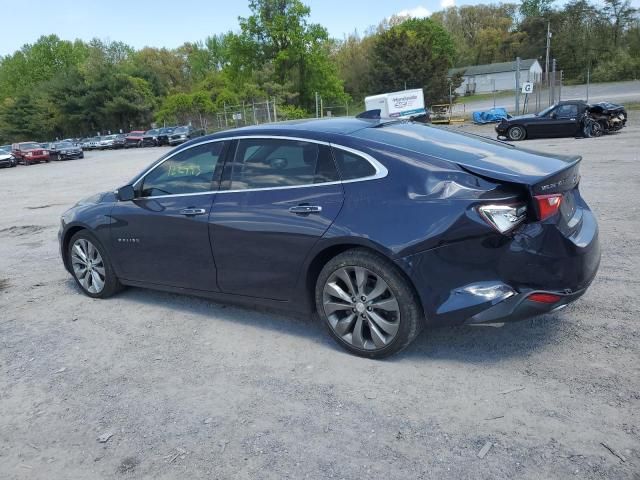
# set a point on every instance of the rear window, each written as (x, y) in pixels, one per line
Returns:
(29, 146)
(352, 166)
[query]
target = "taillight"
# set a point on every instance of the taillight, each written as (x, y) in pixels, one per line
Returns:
(503, 218)
(544, 297)
(548, 205)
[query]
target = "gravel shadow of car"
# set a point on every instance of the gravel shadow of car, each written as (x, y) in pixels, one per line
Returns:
(479, 343)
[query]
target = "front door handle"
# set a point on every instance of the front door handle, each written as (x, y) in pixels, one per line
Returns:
(305, 209)
(192, 211)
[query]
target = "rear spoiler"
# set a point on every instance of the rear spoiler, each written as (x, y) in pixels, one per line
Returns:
(370, 114)
(560, 181)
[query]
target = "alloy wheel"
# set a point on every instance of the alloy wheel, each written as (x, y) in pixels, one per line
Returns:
(516, 133)
(88, 265)
(361, 308)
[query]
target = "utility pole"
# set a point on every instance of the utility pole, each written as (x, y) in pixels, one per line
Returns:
(493, 86)
(560, 86)
(317, 106)
(517, 85)
(588, 78)
(275, 113)
(546, 63)
(552, 90)
(321, 108)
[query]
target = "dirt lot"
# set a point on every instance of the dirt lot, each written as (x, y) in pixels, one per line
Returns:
(193, 389)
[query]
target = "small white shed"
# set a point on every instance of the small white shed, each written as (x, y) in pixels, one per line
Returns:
(496, 76)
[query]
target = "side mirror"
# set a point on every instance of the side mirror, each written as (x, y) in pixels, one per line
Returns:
(126, 193)
(554, 115)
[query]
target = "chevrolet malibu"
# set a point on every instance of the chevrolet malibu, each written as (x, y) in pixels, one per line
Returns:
(382, 227)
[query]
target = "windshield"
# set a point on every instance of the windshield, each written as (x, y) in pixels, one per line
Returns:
(181, 130)
(546, 111)
(109, 137)
(152, 132)
(5, 148)
(64, 145)
(166, 130)
(29, 146)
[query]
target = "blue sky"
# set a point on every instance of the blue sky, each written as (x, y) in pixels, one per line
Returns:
(164, 23)
(169, 23)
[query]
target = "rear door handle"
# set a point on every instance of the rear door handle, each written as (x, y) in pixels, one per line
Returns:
(305, 209)
(192, 211)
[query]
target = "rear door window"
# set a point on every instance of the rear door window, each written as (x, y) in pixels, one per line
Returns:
(270, 163)
(352, 166)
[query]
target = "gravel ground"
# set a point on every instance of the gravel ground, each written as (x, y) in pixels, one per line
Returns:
(179, 387)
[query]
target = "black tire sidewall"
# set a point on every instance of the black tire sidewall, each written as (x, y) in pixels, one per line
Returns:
(111, 283)
(411, 317)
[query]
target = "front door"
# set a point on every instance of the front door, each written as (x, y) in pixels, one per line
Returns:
(560, 122)
(278, 199)
(162, 236)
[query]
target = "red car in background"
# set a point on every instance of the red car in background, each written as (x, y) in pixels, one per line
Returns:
(134, 139)
(30, 152)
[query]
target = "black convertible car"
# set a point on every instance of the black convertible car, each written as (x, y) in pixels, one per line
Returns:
(564, 119)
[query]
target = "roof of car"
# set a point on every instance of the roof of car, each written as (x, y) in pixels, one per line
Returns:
(335, 126)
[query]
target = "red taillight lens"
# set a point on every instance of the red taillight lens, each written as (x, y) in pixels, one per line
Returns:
(544, 297)
(548, 205)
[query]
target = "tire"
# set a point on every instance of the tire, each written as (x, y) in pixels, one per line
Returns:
(81, 155)
(383, 330)
(101, 266)
(516, 133)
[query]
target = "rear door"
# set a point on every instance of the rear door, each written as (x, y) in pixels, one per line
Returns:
(162, 236)
(279, 196)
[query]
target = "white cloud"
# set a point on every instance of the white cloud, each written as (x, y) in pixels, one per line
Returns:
(417, 12)
(447, 3)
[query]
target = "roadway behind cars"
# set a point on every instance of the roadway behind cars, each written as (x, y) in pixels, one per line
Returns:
(193, 389)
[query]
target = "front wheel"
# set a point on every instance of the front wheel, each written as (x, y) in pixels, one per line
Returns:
(91, 267)
(517, 133)
(368, 306)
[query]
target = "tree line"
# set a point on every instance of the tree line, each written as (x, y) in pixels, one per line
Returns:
(58, 88)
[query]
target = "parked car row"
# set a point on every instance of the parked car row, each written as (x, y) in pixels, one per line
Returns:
(28, 153)
(157, 137)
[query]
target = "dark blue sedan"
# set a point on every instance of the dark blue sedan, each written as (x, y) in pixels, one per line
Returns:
(382, 227)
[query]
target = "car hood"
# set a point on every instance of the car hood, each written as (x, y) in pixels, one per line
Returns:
(103, 197)
(5, 156)
(523, 117)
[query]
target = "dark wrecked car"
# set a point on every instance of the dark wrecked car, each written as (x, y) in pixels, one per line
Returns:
(572, 118)
(6, 157)
(381, 227)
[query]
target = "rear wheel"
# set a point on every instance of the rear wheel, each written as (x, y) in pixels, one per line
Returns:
(517, 133)
(91, 267)
(368, 306)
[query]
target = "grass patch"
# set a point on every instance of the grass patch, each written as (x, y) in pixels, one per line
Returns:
(632, 106)
(483, 96)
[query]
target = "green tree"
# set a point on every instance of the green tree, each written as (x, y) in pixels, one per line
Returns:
(414, 54)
